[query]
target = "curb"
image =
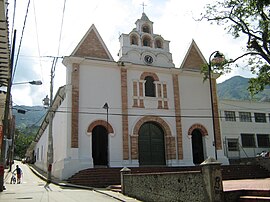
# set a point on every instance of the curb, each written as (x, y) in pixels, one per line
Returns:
(63, 184)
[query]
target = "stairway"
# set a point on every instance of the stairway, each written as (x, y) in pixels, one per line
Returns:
(254, 195)
(103, 177)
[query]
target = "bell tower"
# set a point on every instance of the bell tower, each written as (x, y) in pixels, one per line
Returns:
(142, 46)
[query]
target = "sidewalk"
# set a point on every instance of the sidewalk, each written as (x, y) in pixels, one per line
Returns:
(247, 184)
(43, 175)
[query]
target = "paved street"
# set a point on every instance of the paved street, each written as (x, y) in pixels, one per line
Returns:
(32, 189)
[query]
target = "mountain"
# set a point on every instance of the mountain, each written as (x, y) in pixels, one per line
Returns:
(236, 88)
(27, 116)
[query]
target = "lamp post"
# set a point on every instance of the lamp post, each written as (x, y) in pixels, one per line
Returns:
(106, 106)
(218, 58)
(38, 82)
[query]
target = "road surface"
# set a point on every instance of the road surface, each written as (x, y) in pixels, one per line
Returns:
(33, 188)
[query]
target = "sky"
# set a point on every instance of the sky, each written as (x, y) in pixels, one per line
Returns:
(53, 28)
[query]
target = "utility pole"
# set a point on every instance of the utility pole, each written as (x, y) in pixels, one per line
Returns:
(49, 102)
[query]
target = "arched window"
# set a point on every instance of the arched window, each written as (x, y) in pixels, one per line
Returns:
(158, 43)
(134, 40)
(146, 29)
(147, 41)
(150, 88)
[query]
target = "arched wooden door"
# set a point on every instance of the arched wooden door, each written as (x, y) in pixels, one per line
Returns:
(151, 145)
(100, 146)
(197, 147)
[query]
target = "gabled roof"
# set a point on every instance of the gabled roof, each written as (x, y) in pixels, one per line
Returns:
(194, 58)
(92, 45)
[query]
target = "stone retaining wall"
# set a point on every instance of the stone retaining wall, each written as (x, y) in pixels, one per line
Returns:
(187, 186)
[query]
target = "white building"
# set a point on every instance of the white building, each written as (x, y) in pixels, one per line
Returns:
(245, 127)
(154, 113)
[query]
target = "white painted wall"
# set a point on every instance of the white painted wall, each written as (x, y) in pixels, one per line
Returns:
(234, 129)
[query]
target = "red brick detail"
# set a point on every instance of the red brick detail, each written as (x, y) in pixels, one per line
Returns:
(141, 103)
(145, 74)
(135, 90)
(141, 89)
(199, 127)
(135, 103)
(193, 60)
(160, 104)
(92, 47)
(75, 78)
(216, 115)
(100, 123)
(178, 122)
(164, 90)
(159, 89)
(169, 139)
(166, 105)
(124, 113)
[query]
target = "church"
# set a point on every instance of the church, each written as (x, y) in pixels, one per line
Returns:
(138, 111)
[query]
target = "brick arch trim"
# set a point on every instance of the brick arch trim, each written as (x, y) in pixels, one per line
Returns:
(169, 139)
(100, 123)
(145, 74)
(198, 126)
(160, 121)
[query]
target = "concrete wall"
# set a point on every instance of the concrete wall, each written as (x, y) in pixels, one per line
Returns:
(233, 129)
(187, 186)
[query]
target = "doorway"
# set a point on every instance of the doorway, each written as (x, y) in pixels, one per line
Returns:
(197, 147)
(151, 145)
(100, 146)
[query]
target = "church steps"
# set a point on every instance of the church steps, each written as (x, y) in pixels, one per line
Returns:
(103, 177)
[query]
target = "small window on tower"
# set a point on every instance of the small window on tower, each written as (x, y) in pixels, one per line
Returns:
(158, 43)
(147, 41)
(134, 40)
(146, 29)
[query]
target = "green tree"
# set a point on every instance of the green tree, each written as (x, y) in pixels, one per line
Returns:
(250, 18)
(22, 142)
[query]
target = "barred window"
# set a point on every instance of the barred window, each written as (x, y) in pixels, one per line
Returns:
(233, 144)
(263, 140)
(230, 116)
(245, 116)
(248, 140)
(260, 117)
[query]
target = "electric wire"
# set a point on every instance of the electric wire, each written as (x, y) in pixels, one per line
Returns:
(13, 19)
(20, 44)
(61, 27)
(40, 64)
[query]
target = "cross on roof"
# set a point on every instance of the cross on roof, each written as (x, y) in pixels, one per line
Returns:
(143, 5)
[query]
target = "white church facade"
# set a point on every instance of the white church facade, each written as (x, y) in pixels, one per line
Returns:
(138, 111)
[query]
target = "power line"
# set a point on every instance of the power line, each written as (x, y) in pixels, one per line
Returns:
(20, 44)
(61, 27)
(13, 19)
(38, 41)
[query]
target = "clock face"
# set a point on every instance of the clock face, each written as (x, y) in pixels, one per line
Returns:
(148, 59)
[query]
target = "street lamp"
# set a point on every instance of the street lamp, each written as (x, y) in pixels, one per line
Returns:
(38, 82)
(218, 59)
(106, 106)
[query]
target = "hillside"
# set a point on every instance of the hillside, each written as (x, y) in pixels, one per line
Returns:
(33, 116)
(235, 88)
